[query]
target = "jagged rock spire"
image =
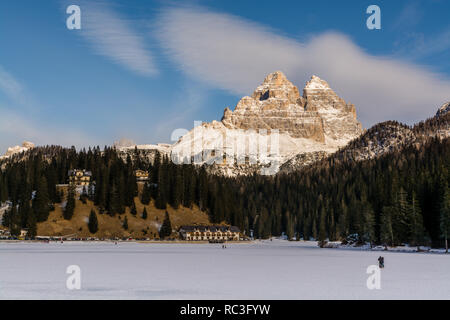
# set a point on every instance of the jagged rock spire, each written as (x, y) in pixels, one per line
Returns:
(277, 104)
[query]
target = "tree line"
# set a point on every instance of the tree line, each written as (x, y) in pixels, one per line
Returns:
(401, 197)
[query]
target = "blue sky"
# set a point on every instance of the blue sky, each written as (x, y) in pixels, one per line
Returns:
(141, 69)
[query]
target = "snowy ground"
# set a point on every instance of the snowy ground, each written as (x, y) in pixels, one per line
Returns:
(260, 270)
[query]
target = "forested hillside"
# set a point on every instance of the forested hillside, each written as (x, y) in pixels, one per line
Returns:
(400, 197)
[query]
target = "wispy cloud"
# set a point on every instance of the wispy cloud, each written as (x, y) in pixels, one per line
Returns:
(235, 54)
(416, 45)
(112, 36)
(410, 15)
(11, 87)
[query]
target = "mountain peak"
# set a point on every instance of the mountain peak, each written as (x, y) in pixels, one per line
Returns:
(277, 104)
(315, 83)
(276, 78)
(443, 110)
(277, 86)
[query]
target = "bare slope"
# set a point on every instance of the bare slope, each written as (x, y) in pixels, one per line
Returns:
(109, 226)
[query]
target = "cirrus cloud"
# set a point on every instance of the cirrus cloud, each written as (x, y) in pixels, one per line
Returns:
(112, 36)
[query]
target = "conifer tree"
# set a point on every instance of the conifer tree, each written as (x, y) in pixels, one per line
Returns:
(368, 223)
(144, 213)
(131, 187)
(31, 226)
(93, 222)
(166, 227)
(322, 230)
(306, 229)
(133, 210)
(70, 204)
(41, 200)
(417, 231)
(289, 226)
(445, 218)
(314, 228)
(14, 221)
(387, 233)
(125, 223)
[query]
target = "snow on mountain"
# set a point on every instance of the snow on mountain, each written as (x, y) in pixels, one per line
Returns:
(149, 151)
(26, 145)
(161, 147)
(127, 145)
(445, 109)
(271, 126)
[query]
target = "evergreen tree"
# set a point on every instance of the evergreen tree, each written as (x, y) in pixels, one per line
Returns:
(368, 224)
(314, 229)
(176, 190)
(14, 221)
(31, 226)
(70, 204)
(125, 223)
(133, 210)
(144, 214)
(131, 186)
(445, 218)
(387, 233)
(289, 226)
(41, 200)
(25, 209)
(93, 222)
(322, 230)
(166, 227)
(417, 231)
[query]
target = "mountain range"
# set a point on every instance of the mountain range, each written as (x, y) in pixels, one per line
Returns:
(278, 128)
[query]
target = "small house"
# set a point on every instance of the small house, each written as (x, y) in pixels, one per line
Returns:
(141, 175)
(80, 177)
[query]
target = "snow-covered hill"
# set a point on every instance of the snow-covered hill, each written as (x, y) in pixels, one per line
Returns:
(392, 136)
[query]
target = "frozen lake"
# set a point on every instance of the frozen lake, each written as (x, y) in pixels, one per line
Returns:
(261, 270)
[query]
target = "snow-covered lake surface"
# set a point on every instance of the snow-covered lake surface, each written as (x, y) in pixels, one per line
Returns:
(261, 270)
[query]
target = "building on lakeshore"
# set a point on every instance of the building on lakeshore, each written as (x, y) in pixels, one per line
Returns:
(80, 177)
(141, 175)
(210, 233)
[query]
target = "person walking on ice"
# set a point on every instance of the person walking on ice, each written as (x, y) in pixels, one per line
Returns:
(381, 262)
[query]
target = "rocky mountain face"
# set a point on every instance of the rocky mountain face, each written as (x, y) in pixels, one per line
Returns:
(277, 104)
(272, 126)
